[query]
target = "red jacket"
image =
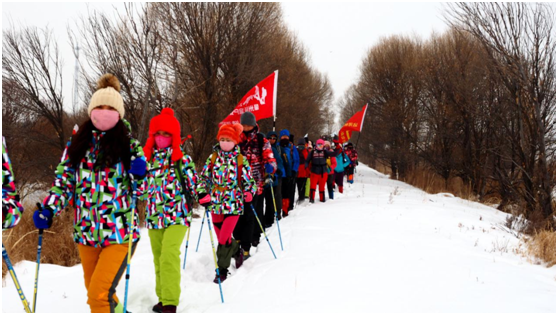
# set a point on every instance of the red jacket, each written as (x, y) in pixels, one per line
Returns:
(303, 172)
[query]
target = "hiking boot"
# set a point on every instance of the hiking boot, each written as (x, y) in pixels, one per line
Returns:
(222, 275)
(169, 309)
(322, 196)
(158, 308)
(239, 258)
(246, 255)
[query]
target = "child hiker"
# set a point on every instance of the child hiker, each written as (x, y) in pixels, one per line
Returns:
(353, 157)
(303, 173)
(273, 182)
(225, 186)
(95, 173)
(342, 162)
(331, 165)
(317, 162)
(170, 184)
(11, 207)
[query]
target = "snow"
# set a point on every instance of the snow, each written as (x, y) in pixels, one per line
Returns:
(384, 246)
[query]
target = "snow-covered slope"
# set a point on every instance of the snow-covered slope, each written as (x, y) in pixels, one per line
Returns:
(384, 246)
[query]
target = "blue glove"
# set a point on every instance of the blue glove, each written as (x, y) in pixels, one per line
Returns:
(269, 168)
(42, 220)
(138, 167)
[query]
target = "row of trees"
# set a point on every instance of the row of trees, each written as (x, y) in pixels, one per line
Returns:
(477, 102)
(197, 58)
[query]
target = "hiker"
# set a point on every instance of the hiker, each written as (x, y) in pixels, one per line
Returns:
(96, 173)
(331, 165)
(317, 162)
(353, 157)
(342, 163)
(170, 184)
(303, 173)
(273, 181)
(226, 188)
(290, 155)
(11, 207)
(257, 150)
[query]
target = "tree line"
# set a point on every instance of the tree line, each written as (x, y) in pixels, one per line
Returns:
(197, 58)
(477, 102)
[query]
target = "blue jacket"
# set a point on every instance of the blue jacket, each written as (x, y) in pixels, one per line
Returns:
(278, 158)
(291, 154)
(342, 162)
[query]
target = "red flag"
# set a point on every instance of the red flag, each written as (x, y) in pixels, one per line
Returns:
(353, 124)
(260, 100)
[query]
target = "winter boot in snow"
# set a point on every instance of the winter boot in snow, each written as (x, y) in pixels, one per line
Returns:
(331, 195)
(322, 196)
(169, 309)
(312, 193)
(222, 274)
(239, 258)
(340, 189)
(286, 207)
(158, 308)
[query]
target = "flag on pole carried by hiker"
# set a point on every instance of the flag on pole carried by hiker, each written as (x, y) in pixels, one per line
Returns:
(261, 100)
(353, 124)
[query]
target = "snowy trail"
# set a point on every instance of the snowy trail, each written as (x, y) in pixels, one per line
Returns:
(384, 246)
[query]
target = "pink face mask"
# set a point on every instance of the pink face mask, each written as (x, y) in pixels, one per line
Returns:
(163, 141)
(226, 145)
(104, 119)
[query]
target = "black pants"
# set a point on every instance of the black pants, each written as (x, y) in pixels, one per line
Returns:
(301, 187)
(292, 193)
(244, 229)
(330, 181)
(288, 188)
(258, 205)
(269, 215)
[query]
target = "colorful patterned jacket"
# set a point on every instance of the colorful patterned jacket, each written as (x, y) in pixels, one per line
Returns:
(257, 155)
(221, 182)
(166, 203)
(102, 196)
(353, 156)
(11, 207)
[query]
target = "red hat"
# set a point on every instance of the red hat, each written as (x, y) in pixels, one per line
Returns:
(230, 131)
(168, 123)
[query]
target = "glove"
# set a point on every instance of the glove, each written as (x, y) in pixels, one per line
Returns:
(269, 180)
(269, 168)
(248, 196)
(138, 168)
(42, 220)
(204, 200)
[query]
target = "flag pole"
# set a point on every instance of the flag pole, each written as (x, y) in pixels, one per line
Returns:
(274, 119)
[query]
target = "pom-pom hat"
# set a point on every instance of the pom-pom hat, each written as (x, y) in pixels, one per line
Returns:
(230, 131)
(168, 123)
(108, 93)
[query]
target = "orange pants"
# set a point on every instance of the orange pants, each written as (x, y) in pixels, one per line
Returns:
(102, 269)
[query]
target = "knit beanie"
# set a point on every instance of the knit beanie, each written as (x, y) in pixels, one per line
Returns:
(248, 119)
(230, 131)
(284, 132)
(320, 141)
(327, 144)
(168, 123)
(108, 93)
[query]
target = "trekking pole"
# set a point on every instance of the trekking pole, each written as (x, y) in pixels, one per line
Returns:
(14, 277)
(186, 251)
(199, 237)
(261, 227)
(276, 215)
(131, 237)
(214, 255)
(39, 249)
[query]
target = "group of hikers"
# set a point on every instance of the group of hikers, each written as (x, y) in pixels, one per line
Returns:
(103, 170)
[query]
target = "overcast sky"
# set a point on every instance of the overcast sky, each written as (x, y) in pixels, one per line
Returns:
(337, 35)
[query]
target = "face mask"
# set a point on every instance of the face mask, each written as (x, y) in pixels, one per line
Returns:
(226, 145)
(163, 141)
(104, 119)
(284, 142)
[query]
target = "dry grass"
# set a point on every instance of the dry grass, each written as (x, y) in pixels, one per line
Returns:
(543, 246)
(59, 247)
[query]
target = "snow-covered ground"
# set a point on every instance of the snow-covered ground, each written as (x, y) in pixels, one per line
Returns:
(384, 246)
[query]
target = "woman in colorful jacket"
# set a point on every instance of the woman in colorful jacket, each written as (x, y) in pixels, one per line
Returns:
(95, 174)
(225, 184)
(331, 165)
(342, 162)
(11, 207)
(170, 184)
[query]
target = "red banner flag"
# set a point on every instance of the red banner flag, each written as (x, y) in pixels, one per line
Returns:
(261, 100)
(353, 124)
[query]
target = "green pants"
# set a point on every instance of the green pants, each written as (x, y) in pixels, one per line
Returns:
(166, 244)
